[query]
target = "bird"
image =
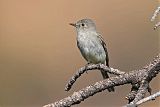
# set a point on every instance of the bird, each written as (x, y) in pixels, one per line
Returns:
(92, 45)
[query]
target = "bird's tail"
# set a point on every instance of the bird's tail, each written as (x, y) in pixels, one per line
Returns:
(105, 76)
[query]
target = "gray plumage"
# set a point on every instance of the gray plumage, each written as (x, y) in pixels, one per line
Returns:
(91, 44)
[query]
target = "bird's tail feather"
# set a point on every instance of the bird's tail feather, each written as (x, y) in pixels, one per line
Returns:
(105, 76)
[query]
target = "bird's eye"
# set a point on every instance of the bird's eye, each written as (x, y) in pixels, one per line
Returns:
(82, 24)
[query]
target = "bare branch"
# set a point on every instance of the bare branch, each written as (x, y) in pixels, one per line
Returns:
(157, 11)
(79, 96)
(155, 14)
(142, 76)
(130, 97)
(149, 98)
(156, 25)
(141, 92)
(91, 67)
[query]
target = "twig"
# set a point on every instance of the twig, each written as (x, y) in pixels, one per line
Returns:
(156, 25)
(155, 14)
(149, 98)
(154, 17)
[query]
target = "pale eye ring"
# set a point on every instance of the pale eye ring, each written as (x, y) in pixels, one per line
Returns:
(82, 24)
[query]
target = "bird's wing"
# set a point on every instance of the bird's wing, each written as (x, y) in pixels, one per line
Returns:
(105, 48)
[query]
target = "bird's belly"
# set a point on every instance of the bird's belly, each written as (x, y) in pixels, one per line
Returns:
(92, 51)
(95, 58)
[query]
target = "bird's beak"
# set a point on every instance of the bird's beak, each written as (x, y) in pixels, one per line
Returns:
(72, 24)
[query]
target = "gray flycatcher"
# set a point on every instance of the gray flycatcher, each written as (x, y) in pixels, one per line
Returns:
(91, 44)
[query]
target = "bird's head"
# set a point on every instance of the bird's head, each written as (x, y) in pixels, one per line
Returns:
(84, 25)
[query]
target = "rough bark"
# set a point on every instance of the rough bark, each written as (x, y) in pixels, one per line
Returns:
(141, 77)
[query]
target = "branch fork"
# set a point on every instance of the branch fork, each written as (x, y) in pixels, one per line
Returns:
(139, 79)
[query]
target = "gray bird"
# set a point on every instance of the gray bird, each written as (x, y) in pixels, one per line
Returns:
(91, 44)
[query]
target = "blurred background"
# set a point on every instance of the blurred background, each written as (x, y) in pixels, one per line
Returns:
(38, 52)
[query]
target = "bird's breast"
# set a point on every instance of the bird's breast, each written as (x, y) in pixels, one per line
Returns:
(91, 48)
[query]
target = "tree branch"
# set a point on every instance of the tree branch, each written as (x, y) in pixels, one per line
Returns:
(91, 67)
(157, 11)
(156, 25)
(130, 97)
(79, 96)
(149, 98)
(142, 77)
(155, 14)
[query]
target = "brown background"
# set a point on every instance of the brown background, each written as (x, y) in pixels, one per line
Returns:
(38, 52)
